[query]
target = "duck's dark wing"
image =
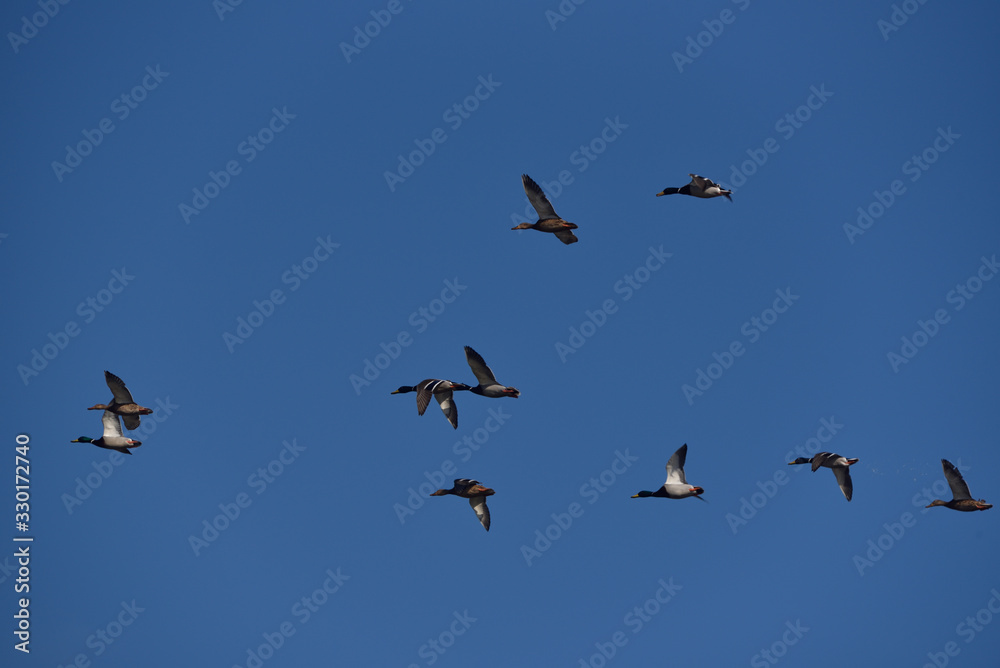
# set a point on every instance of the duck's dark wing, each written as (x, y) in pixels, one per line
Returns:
(131, 421)
(538, 199)
(478, 365)
(118, 389)
(959, 488)
(425, 390)
(566, 236)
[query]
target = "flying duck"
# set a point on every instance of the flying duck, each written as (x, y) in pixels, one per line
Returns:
(475, 493)
(488, 385)
(121, 402)
(112, 438)
(676, 485)
(548, 219)
(961, 498)
(441, 390)
(699, 187)
(840, 466)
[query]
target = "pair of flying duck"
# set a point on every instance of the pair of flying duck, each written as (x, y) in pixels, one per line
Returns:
(549, 220)
(121, 408)
(961, 498)
(442, 389)
(677, 487)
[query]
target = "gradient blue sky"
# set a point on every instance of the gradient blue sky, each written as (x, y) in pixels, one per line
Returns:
(280, 139)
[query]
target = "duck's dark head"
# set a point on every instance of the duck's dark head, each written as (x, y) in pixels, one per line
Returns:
(82, 439)
(642, 495)
(441, 492)
(523, 226)
(403, 389)
(99, 407)
(800, 460)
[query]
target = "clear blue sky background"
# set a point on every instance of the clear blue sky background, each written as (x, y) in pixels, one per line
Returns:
(225, 409)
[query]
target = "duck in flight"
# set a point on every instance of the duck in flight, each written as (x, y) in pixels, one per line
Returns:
(113, 439)
(961, 498)
(475, 493)
(440, 390)
(122, 402)
(840, 465)
(699, 187)
(488, 385)
(676, 486)
(548, 219)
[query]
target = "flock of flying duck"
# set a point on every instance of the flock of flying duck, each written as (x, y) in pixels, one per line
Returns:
(124, 408)
(549, 220)
(676, 485)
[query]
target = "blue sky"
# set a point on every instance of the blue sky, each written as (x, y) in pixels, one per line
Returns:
(265, 220)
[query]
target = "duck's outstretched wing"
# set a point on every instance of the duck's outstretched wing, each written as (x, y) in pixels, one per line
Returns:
(959, 488)
(566, 236)
(478, 504)
(675, 467)
(112, 426)
(448, 407)
(843, 474)
(478, 365)
(118, 389)
(538, 199)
